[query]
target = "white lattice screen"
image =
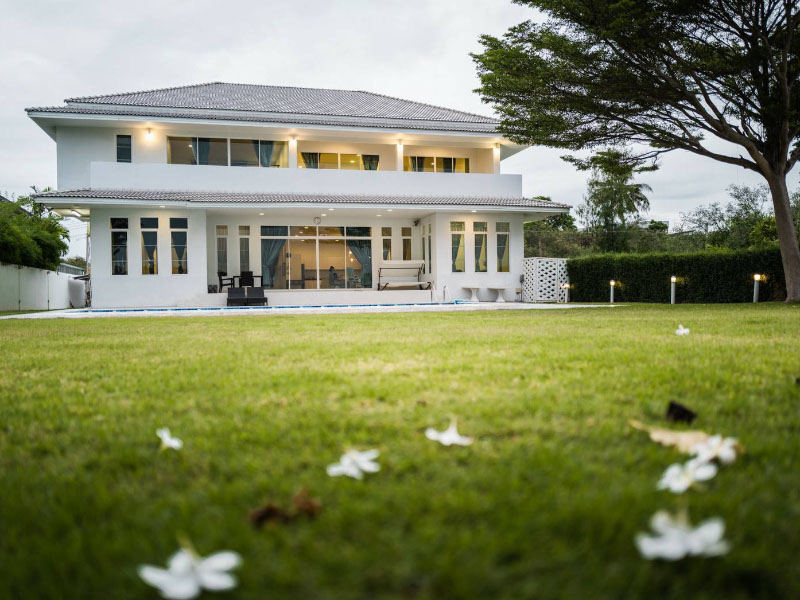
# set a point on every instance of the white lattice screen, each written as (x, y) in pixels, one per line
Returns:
(544, 278)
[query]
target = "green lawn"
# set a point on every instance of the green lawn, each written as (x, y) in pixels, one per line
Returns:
(545, 503)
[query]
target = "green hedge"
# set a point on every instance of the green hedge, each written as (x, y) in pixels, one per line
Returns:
(708, 276)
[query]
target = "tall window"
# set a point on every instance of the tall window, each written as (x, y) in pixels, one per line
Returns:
(406, 233)
(457, 239)
(480, 229)
(386, 234)
(244, 248)
(503, 233)
(438, 164)
(430, 251)
(180, 263)
(119, 246)
(222, 249)
(149, 226)
(197, 151)
(124, 148)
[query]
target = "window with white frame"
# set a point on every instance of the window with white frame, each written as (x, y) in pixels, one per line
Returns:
(179, 245)
(244, 248)
(406, 233)
(480, 229)
(386, 234)
(119, 246)
(149, 231)
(458, 261)
(222, 249)
(503, 239)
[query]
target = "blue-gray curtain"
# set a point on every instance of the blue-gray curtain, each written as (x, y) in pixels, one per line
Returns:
(362, 250)
(194, 150)
(502, 242)
(447, 163)
(370, 161)
(267, 148)
(311, 159)
(270, 252)
(203, 148)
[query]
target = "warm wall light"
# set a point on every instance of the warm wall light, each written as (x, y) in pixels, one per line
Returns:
(149, 135)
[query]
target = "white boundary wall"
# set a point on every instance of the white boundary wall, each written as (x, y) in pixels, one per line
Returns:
(26, 288)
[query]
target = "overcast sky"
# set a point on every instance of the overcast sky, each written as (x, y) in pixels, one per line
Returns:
(415, 49)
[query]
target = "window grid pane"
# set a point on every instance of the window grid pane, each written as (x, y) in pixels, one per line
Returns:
(456, 226)
(179, 223)
(179, 258)
(244, 254)
(124, 148)
(406, 248)
(458, 252)
(405, 231)
(480, 252)
(387, 249)
(222, 255)
(149, 253)
(119, 253)
(502, 253)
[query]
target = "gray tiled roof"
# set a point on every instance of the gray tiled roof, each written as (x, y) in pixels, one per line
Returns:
(304, 199)
(244, 102)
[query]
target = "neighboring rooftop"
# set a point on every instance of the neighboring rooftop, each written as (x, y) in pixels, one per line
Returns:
(236, 101)
(304, 199)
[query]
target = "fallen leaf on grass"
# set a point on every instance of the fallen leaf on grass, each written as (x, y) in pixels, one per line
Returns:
(304, 504)
(682, 440)
(269, 513)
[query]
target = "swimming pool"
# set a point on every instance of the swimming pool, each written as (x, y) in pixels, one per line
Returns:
(261, 308)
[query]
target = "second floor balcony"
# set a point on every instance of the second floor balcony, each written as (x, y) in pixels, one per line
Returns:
(178, 177)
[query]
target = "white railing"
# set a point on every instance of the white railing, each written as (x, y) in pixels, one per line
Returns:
(70, 269)
(156, 176)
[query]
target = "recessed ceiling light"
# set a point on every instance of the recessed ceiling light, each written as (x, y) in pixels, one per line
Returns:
(162, 206)
(324, 214)
(474, 211)
(377, 215)
(261, 214)
(390, 210)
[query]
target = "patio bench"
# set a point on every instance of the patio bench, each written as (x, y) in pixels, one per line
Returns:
(500, 289)
(255, 297)
(400, 274)
(473, 290)
(236, 296)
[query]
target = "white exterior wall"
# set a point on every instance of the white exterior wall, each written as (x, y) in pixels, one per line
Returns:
(26, 288)
(135, 289)
(442, 255)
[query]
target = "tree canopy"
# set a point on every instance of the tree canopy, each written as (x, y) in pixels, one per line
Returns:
(669, 74)
(30, 235)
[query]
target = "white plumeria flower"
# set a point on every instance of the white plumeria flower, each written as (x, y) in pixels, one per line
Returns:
(681, 330)
(716, 447)
(448, 437)
(676, 538)
(354, 464)
(167, 441)
(679, 478)
(187, 574)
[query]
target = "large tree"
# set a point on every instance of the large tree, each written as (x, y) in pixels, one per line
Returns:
(672, 74)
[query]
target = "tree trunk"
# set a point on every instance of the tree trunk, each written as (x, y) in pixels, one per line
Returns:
(790, 252)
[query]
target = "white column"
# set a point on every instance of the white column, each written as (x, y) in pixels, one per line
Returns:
(399, 157)
(292, 153)
(496, 159)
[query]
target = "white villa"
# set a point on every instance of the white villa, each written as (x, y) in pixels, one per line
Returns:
(317, 196)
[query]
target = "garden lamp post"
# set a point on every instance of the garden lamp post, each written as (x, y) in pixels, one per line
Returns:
(612, 283)
(672, 281)
(756, 282)
(565, 287)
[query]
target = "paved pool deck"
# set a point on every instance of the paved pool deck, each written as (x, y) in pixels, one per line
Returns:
(83, 313)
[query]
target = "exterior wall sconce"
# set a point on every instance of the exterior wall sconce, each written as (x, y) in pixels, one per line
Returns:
(149, 135)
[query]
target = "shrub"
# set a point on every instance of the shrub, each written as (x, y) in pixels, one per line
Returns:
(708, 276)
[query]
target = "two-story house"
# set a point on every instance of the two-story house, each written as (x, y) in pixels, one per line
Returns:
(310, 189)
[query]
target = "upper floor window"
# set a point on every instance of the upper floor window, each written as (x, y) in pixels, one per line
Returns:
(259, 153)
(197, 151)
(438, 164)
(332, 160)
(124, 146)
